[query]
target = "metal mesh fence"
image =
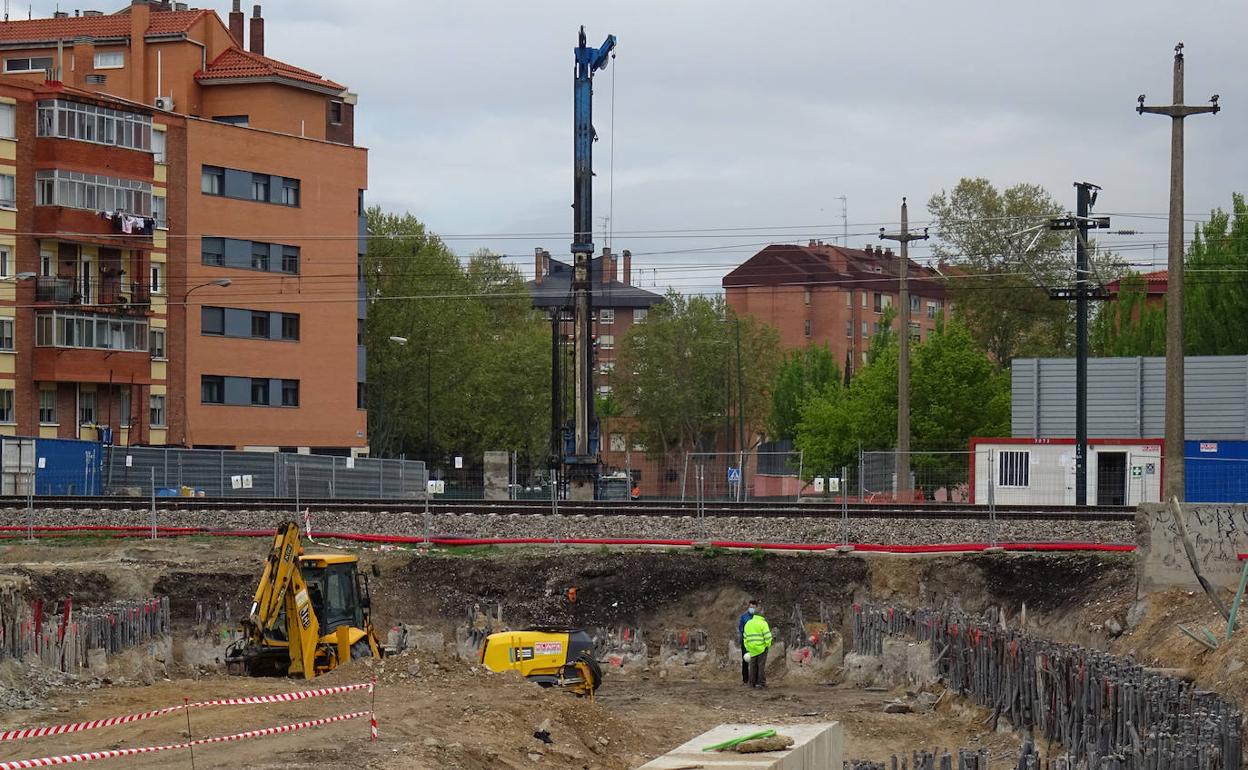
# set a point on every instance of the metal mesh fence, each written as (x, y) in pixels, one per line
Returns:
(228, 473)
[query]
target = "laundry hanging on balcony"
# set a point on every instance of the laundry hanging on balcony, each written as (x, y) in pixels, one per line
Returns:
(129, 223)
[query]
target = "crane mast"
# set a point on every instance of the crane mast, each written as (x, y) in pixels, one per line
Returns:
(581, 464)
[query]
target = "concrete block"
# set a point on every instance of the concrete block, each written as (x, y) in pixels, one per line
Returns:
(497, 475)
(1217, 532)
(816, 746)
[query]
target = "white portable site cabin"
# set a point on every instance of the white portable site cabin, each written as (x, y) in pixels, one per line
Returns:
(1041, 471)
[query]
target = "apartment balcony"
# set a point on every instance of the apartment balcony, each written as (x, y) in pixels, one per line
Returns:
(111, 294)
(80, 346)
(89, 227)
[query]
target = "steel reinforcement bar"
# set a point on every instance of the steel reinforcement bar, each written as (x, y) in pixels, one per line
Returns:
(1107, 713)
(751, 509)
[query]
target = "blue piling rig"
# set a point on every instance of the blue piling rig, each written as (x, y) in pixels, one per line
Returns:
(581, 443)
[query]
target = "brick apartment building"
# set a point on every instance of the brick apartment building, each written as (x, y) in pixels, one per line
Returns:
(830, 295)
(180, 222)
(618, 304)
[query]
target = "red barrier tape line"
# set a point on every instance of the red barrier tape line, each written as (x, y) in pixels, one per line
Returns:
(466, 541)
(66, 759)
(24, 733)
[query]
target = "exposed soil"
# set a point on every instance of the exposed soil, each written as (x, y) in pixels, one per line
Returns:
(435, 710)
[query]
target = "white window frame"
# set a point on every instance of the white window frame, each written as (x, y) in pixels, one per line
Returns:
(28, 59)
(606, 341)
(154, 348)
(104, 56)
(125, 409)
(8, 412)
(156, 414)
(1013, 468)
(158, 277)
(619, 442)
(604, 390)
(158, 146)
(6, 261)
(86, 397)
(50, 395)
(46, 260)
(8, 121)
(7, 329)
(640, 314)
(8, 191)
(606, 316)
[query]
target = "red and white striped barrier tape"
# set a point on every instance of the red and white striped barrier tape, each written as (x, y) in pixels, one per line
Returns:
(24, 733)
(89, 756)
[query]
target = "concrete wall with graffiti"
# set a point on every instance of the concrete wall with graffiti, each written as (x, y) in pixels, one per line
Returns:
(1218, 533)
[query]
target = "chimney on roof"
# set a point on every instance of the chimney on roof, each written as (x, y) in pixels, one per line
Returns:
(257, 31)
(811, 245)
(628, 268)
(608, 266)
(83, 57)
(539, 268)
(236, 23)
(60, 14)
(888, 252)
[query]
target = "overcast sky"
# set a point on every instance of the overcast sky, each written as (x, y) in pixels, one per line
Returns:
(734, 114)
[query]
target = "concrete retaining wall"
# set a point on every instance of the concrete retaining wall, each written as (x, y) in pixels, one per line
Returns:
(818, 746)
(1218, 532)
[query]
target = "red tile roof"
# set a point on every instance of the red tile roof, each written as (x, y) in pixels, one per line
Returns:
(236, 63)
(1156, 282)
(111, 25)
(829, 266)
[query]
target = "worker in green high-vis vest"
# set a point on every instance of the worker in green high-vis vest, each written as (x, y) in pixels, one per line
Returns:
(757, 639)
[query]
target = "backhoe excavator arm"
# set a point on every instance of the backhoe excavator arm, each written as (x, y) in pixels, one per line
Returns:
(282, 586)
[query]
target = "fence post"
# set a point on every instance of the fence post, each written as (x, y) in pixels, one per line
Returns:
(296, 487)
(402, 463)
(276, 458)
(30, 507)
(381, 476)
(845, 505)
(684, 478)
(153, 492)
(333, 476)
(801, 469)
(992, 502)
(165, 456)
(861, 477)
(221, 475)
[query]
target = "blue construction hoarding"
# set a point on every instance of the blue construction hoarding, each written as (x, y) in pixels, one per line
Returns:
(1216, 471)
(68, 467)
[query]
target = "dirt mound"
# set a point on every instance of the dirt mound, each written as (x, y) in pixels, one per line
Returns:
(187, 589)
(56, 584)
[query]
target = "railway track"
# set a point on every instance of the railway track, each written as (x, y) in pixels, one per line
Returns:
(751, 509)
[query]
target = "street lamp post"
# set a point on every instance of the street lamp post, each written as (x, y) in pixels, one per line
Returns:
(186, 332)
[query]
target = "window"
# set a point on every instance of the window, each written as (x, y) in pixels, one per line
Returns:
(108, 60)
(158, 147)
(212, 320)
(8, 191)
(849, 299)
(914, 303)
(72, 329)
(260, 187)
(290, 260)
(290, 192)
(1013, 468)
(93, 192)
(157, 344)
(606, 341)
(879, 303)
(259, 392)
(606, 367)
(45, 264)
(86, 407)
(47, 407)
(849, 329)
(618, 444)
(6, 335)
(606, 316)
(6, 261)
(359, 331)
(933, 309)
(158, 212)
(290, 392)
(6, 405)
(260, 324)
(807, 329)
(28, 64)
(807, 296)
(156, 416)
(361, 395)
(335, 112)
(639, 315)
(604, 390)
(213, 251)
(123, 407)
(865, 333)
(864, 300)
(260, 256)
(213, 181)
(8, 121)
(64, 119)
(233, 120)
(158, 277)
(915, 334)
(212, 389)
(290, 326)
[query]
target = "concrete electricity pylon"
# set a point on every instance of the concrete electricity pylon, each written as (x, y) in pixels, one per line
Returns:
(905, 488)
(1173, 452)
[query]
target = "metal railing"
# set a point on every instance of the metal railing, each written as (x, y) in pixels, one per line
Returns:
(101, 292)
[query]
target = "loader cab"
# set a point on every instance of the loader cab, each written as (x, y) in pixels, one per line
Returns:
(338, 593)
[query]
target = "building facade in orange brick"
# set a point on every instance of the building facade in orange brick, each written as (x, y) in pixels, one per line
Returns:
(832, 296)
(181, 227)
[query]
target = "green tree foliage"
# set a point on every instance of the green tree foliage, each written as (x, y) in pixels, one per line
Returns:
(1215, 285)
(1129, 326)
(676, 374)
(999, 293)
(474, 374)
(955, 393)
(803, 374)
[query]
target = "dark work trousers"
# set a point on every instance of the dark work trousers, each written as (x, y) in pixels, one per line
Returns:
(758, 669)
(745, 667)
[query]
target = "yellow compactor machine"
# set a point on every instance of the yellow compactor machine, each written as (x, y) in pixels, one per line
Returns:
(549, 657)
(310, 614)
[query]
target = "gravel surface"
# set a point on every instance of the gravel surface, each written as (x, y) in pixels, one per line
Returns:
(785, 530)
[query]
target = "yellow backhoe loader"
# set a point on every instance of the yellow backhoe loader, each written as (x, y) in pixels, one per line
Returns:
(551, 658)
(310, 614)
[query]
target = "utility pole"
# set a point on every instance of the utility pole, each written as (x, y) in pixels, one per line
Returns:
(1173, 452)
(905, 488)
(1081, 223)
(584, 470)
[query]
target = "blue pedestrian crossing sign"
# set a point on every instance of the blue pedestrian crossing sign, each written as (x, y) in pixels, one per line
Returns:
(734, 475)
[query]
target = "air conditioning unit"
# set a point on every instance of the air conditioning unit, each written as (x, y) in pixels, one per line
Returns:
(164, 103)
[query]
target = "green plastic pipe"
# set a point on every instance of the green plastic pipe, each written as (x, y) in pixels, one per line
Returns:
(736, 741)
